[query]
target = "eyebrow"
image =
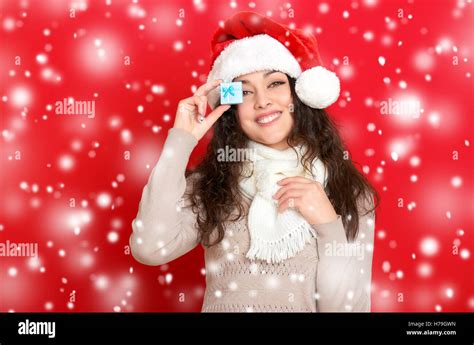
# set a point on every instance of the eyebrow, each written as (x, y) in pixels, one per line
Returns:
(265, 75)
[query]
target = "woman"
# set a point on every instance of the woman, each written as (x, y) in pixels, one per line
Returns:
(291, 226)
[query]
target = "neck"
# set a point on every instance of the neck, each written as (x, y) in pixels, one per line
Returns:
(281, 146)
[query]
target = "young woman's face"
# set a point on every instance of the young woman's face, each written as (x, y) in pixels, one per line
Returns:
(264, 114)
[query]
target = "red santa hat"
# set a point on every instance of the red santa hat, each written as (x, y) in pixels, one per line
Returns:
(249, 42)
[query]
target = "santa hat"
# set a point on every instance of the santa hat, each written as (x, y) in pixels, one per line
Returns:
(249, 42)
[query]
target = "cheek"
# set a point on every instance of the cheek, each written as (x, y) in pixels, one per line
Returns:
(287, 123)
(245, 113)
(284, 97)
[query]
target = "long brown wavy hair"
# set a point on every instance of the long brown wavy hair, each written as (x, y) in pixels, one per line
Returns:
(215, 191)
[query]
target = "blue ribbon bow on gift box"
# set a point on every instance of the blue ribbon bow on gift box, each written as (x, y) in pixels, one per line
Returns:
(228, 90)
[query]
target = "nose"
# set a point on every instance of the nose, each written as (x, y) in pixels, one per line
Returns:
(262, 100)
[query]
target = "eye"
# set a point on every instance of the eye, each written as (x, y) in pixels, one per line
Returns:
(244, 92)
(277, 83)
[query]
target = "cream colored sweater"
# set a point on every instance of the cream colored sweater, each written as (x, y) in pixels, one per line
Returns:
(328, 275)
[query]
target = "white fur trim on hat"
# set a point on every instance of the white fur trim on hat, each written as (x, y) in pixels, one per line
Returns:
(251, 54)
(318, 87)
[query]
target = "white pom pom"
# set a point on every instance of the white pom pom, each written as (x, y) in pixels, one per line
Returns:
(318, 87)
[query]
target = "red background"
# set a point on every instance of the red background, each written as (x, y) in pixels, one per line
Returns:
(72, 156)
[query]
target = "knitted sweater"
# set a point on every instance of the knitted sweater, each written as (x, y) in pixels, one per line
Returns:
(330, 274)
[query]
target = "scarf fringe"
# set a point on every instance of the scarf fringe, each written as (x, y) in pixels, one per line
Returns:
(276, 251)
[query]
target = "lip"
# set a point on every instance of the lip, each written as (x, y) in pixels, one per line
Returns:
(266, 114)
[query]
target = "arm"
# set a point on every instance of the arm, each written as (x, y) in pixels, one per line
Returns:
(345, 269)
(164, 228)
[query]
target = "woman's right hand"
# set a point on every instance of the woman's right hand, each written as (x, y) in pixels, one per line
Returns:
(192, 109)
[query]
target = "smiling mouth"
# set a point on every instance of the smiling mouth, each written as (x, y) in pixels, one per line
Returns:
(268, 119)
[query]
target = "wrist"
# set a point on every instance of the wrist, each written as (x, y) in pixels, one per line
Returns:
(327, 219)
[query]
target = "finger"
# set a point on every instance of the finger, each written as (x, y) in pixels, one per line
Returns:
(194, 101)
(288, 203)
(186, 108)
(198, 101)
(282, 190)
(216, 113)
(299, 179)
(186, 104)
(204, 89)
(201, 104)
(190, 101)
(292, 193)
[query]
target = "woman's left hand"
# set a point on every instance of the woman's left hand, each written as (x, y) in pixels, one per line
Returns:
(308, 197)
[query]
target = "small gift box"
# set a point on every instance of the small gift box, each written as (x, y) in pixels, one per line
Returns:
(231, 93)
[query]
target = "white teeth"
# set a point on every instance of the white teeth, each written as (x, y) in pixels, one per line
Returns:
(268, 118)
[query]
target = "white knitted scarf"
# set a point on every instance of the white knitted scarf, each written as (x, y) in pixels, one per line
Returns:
(275, 236)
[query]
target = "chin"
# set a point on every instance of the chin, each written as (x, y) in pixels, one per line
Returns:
(271, 139)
